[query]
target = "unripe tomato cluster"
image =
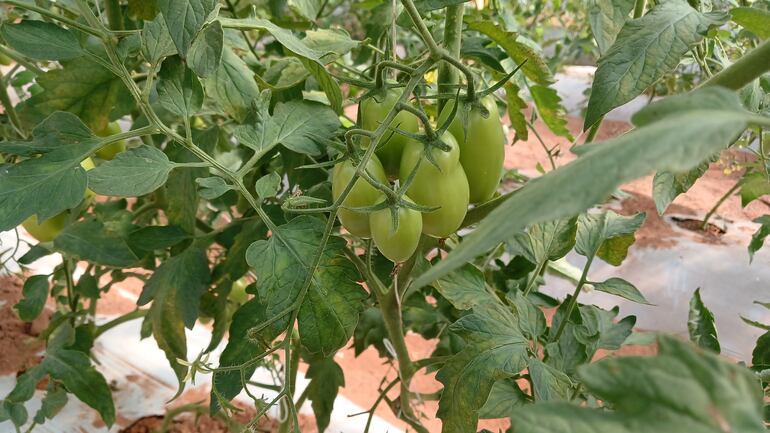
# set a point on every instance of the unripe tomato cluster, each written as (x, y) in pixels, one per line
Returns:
(448, 180)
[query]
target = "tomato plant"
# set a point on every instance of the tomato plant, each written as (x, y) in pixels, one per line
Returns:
(240, 192)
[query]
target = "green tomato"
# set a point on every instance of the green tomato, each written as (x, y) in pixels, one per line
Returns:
(88, 165)
(109, 151)
(48, 229)
(361, 195)
(238, 291)
(400, 244)
(482, 146)
(373, 111)
(5, 60)
(446, 189)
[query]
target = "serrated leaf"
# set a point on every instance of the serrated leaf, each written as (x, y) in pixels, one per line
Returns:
(307, 9)
(175, 289)
(283, 36)
(504, 396)
(712, 395)
(156, 41)
(81, 87)
(534, 69)
(91, 241)
(548, 383)
(645, 49)
(298, 125)
(607, 235)
(179, 90)
(328, 84)
(35, 293)
(753, 19)
(495, 350)
(482, 49)
(531, 318)
(516, 105)
(137, 171)
(606, 18)
(666, 186)
(700, 324)
(550, 240)
(332, 43)
(329, 312)
(268, 185)
(206, 51)
(760, 356)
(184, 18)
(57, 130)
(152, 238)
(212, 187)
(620, 287)
(753, 186)
(54, 401)
(758, 238)
(551, 110)
(75, 371)
(326, 378)
(41, 40)
(464, 288)
(232, 85)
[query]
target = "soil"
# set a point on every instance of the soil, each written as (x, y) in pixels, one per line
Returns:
(206, 424)
(18, 340)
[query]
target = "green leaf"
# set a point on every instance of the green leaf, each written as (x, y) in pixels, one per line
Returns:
(44, 186)
(504, 396)
(329, 312)
(232, 85)
(465, 288)
(758, 238)
(268, 185)
(516, 107)
(482, 49)
(753, 186)
(75, 371)
(283, 36)
(300, 126)
(212, 187)
(551, 110)
(677, 142)
(535, 69)
(700, 324)
(549, 384)
(57, 130)
(179, 90)
(175, 290)
(646, 49)
(184, 18)
(53, 402)
(41, 40)
(596, 322)
(152, 238)
(495, 350)
(666, 186)
(81, 87)
(550, 240)
(92, 241)
(607, 235)
(332, 43)
(327, 83)
(326, 378)
(35, 293)
(156, 41)
(680, 390)
(137, 171)
(753, 19)
(531, 318)
(206, 51)
(241, 348)
(760, 357)
(283, 74)
(307, 9)
(606, 18)
(620, 287)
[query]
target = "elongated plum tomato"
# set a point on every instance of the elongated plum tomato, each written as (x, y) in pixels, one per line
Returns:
(50, 228)
(400, 244)
(373, 111)
(482, 146)
(109, 151)
(446, 189)
(361, 195)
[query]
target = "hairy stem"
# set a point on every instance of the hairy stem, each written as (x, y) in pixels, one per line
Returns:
(453, 28)
(573, 299)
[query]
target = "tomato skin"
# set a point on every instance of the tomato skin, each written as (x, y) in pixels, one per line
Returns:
(447, 189)
(362, 194)
(238, 291)
(373, 110)
(397, 246)
(5, 60)
(482, 146)
(109, 151)
(48, 229)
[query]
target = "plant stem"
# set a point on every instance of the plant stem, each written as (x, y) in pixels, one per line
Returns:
(573, 299)
(10, 110)
(719, 202)
(19, 59)
(114, 14)
(136, 314)
(425, 34)
(639, 8)
(453, 28)
(745, 70)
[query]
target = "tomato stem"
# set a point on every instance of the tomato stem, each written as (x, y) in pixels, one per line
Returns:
(745, 70)
(453, 28)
